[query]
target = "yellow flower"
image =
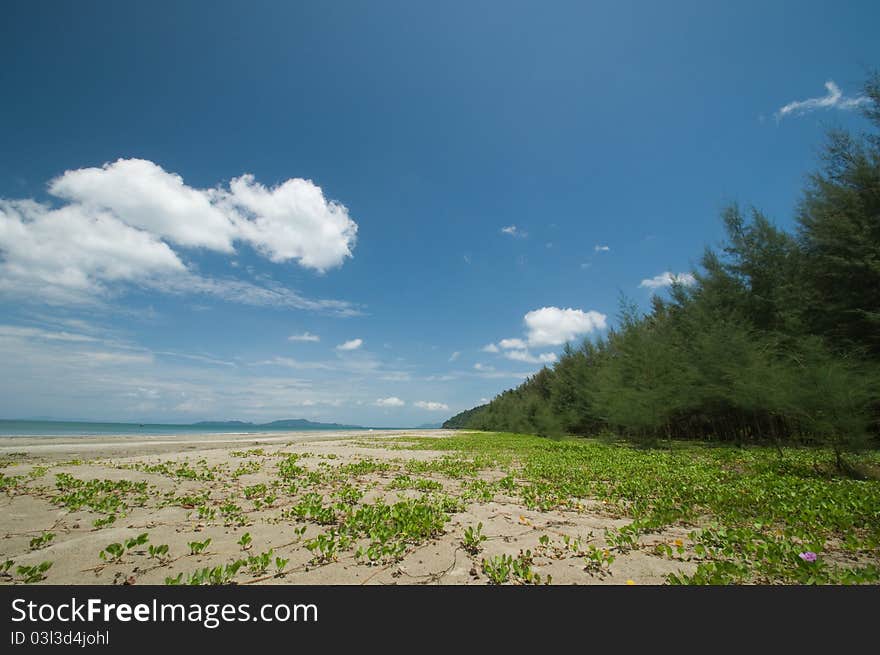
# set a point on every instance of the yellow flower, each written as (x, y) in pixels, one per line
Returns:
(630, 582)
(679, 543)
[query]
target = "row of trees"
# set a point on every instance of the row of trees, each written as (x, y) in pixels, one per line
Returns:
(778, 339)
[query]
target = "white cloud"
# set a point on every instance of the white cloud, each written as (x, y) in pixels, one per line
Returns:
(143, 195)
(391, 401)
(352, 344)
(498, 375)
(548, 326)
(431, 406)
(454, 356)
(834, 99)
(599, 248)
(526, 356)
(514, 231)
(305, 336)
(71, 253)
(290, 221)
(552, 326)
(483, 367)
(196, 358)
(38, 333)
(507, 344)
(667, 279)
(123, 222)
(396, 376)
(289, 362)
(270, 294)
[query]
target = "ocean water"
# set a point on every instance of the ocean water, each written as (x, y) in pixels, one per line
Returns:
(81, 428)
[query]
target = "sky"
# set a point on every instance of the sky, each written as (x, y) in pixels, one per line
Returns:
(378, 213)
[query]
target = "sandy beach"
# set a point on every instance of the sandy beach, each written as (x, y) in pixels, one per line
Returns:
(270, 509)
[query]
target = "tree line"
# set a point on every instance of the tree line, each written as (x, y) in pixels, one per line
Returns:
(778, 339)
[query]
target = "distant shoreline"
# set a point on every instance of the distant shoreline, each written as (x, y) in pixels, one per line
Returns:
(26, 428)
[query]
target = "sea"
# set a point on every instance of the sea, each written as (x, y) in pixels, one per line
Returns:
(9, 428)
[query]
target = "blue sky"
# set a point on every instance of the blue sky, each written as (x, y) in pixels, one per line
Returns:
(186, 186)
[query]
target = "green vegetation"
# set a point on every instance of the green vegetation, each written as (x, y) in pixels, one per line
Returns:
(115, 551)
(502, 569)
(196, 547)
(259, 564)
(753, 513)
(178, 470)
(473, 539)
(31, 574)
(43, 540)
(159, 552)
(107, 497)
(777, 341)
(217, 575)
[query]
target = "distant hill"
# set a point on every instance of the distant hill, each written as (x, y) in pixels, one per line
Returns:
(429, 426)
(299, 423)
(460, 421)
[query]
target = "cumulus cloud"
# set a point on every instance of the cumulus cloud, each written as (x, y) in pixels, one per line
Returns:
(454, 356)
(514, 231)
(833, 99)
(483, 367)
(391, 401)
(507, 344)
(145, 196)
(290, 221)
(70, 251)
(305, 336)
(552, 326)
(599, 248)
(545, 327)
(431, 406)
(352, 344)
(126, 222)
(526, 356)
(667, 279)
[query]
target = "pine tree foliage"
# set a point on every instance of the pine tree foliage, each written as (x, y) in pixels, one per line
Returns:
(778, 339)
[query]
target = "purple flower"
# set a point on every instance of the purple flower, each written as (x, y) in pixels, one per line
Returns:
(809, 556)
